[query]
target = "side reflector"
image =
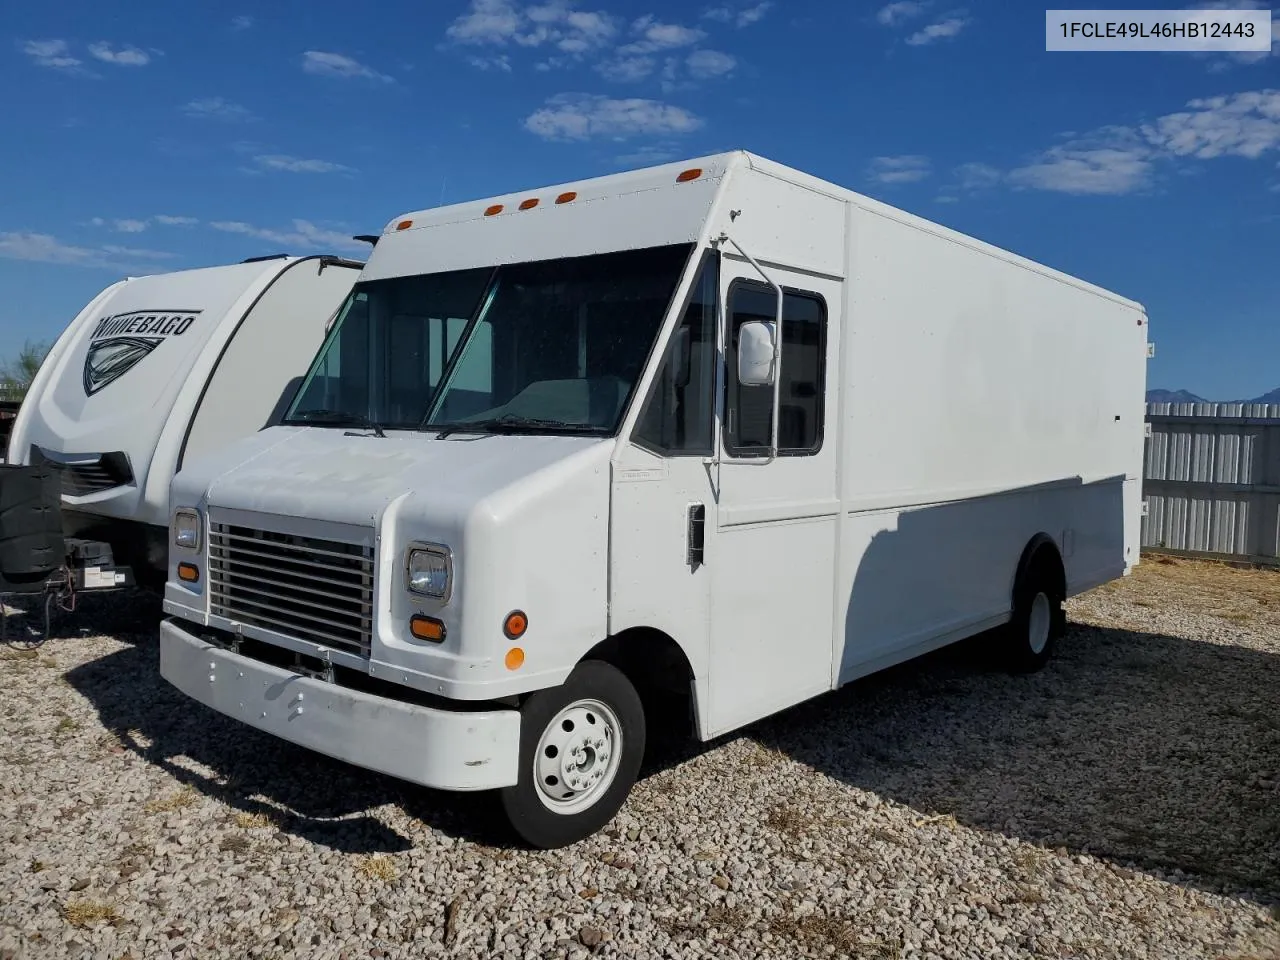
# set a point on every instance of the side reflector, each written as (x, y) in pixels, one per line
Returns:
(494, 210)
(515, 625)
(567, 197)
(427, 628)
(529, 204)
(188, 572)
(404, 224)
(515, 658)
(688, 175)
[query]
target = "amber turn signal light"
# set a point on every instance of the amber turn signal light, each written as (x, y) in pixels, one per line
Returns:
(427, 628)
(515, 625)
(188, 573)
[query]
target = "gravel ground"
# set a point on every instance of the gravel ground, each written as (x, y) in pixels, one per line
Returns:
(1125, 802)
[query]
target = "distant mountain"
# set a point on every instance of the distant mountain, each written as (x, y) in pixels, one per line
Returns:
(1272, 397)
(1173, 396)
(1186, 396)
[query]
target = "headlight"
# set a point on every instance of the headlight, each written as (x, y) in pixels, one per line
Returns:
(429, 571)
(186, 529)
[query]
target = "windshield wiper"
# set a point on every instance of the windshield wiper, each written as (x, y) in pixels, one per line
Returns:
(513, 423)
(337, 418)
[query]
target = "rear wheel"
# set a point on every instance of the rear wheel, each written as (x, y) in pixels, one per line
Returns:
(580, 750)
(1038, 621)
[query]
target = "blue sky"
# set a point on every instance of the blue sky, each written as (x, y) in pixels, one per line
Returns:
(151, 136)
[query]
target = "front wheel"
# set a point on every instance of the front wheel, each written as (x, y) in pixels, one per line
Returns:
(1038, 620)
(580, 750)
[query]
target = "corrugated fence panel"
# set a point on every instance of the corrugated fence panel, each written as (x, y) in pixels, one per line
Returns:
(1212, 480)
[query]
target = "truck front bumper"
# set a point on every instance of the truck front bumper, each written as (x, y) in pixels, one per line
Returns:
(437, 748)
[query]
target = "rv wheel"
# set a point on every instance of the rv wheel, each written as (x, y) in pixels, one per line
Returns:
(1038, 620)
(580, 749)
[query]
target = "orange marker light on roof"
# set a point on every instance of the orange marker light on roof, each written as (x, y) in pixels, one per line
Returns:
(567, 197)
(404, 224)
(494, 210)
(692, 174)
(529, 204)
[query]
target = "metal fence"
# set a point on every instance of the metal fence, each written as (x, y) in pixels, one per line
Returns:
(1212, 480)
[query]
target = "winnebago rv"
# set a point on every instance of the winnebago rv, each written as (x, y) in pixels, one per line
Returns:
(718, 427)
(153, 372)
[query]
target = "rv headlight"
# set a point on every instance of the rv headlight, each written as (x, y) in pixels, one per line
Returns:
(186, 529)
(429, 571)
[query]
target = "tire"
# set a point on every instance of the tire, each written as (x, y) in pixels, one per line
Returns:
(1029, 639)
(581, 745)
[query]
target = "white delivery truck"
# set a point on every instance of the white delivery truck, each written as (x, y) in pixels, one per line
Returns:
(157, 370)
(716, 426)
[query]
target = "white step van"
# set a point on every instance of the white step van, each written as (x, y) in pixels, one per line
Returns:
(161, 369)
(717, 427)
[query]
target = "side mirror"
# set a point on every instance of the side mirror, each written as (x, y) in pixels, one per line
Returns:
(755, 353)
(681, 358)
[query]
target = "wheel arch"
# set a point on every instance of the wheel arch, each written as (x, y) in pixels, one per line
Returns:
(1040, 549)
(655, 662)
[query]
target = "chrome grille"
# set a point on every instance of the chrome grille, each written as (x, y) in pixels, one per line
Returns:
(315, 590)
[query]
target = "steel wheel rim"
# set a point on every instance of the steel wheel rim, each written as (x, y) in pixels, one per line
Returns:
(1038, 623)
(578, 757)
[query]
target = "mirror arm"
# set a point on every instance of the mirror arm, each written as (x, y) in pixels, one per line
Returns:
(777, 349)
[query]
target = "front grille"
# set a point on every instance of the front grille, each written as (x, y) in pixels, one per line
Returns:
(315, 590)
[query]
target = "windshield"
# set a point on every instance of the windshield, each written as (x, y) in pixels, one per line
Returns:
(554, 346)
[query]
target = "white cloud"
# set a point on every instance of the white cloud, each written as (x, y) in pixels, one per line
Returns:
(584, 117)
(304, 234)
(1221, 62)
(908, 168)
(54, 54)
(977, 176)
(900, 12)
(655, 36)
(627, 69)
(324, 64)
(138, 254)
(44, 248)
(122, 57)
(705, 64)
(1118, 160)
(171, 221)
(1239, 124)
(278, 161)
(552, 24)
(501, 62)
(739, 16)
(241, 23)
(1109, 161)
(942, 30)
(130, 226)
(216, 108)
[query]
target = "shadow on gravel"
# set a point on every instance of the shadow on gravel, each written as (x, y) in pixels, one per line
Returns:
(308, 795)
(1155, 752)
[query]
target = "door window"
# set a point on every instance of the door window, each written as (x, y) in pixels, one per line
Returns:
(802, 400)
